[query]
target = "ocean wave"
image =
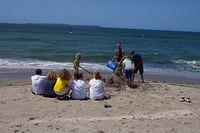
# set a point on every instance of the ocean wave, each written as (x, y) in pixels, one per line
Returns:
(188, 65)
(33, 64)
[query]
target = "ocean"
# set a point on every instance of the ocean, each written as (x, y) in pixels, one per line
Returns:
(53, 46)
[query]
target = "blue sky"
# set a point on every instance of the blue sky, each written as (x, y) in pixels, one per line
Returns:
(183, 15)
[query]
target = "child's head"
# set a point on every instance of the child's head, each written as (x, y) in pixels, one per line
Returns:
(97, 75)
(119, 45)
(65, 74)
(81, 76)
(132, 52)
(76, 76)
(78, 56)
(38, 72)
(52, 75)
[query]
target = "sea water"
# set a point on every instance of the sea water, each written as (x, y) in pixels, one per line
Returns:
(53, 46)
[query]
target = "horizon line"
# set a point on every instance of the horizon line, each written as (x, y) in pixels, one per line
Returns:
(99, 26)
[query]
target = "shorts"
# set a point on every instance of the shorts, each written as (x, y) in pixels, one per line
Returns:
(140, 68)
(128, 73)
(63, 93)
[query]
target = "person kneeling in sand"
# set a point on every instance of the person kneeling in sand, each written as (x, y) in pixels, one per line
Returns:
(79, 87)
(63, 82)
(97, 87)
(38, 82)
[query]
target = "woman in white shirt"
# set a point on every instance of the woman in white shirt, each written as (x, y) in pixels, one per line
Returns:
(97, 87)
(79, 87)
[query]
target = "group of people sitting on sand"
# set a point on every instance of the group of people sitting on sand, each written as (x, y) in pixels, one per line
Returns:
(64, 85)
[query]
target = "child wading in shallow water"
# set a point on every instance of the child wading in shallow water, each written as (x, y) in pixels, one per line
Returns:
(77, 62)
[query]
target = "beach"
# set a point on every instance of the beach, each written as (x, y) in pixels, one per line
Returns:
(171, 70)
(151, 107)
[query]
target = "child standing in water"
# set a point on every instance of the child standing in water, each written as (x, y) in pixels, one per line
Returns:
(77, 62)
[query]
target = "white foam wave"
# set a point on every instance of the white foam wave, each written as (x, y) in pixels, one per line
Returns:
(10, 63)
(33, 64)
(190, 65)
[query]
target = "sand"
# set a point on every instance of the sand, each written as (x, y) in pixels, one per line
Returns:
(151, 107)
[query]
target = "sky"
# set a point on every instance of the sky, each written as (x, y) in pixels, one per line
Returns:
(179, 15)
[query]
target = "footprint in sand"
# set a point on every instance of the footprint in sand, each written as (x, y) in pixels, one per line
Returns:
(166, 89)
(18, 126)
(50, 126)
(74, 130)
(31, 118)
(187, 123)
(130, 102)
(36, 124)
(123, 123)
(16, 131)
(2, 102)
(100, 131)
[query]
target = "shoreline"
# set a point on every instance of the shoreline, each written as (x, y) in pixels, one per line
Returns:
(7, 74)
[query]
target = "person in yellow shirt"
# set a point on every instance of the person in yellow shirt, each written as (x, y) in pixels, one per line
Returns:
(62, 85)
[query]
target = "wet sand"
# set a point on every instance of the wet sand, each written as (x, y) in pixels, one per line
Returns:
(25, 74)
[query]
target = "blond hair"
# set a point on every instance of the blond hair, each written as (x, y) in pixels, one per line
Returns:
(78, 55)
(65, 74)
(52, 75)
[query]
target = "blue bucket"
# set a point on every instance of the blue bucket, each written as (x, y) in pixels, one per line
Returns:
(112, 65)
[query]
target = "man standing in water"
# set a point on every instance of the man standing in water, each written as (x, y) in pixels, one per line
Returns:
(138, 61)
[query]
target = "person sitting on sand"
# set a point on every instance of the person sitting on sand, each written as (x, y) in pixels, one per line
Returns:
(97, 87)
(128, 68)
(63, 82)
(49, 84)
(79, 87)
(77, 62)
(138, 61)
(38, 82)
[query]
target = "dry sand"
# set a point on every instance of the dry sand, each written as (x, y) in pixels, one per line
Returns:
(152, 107)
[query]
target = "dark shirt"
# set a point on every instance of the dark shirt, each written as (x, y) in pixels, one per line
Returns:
(119, 53)
(48, 88)
(137, 59)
